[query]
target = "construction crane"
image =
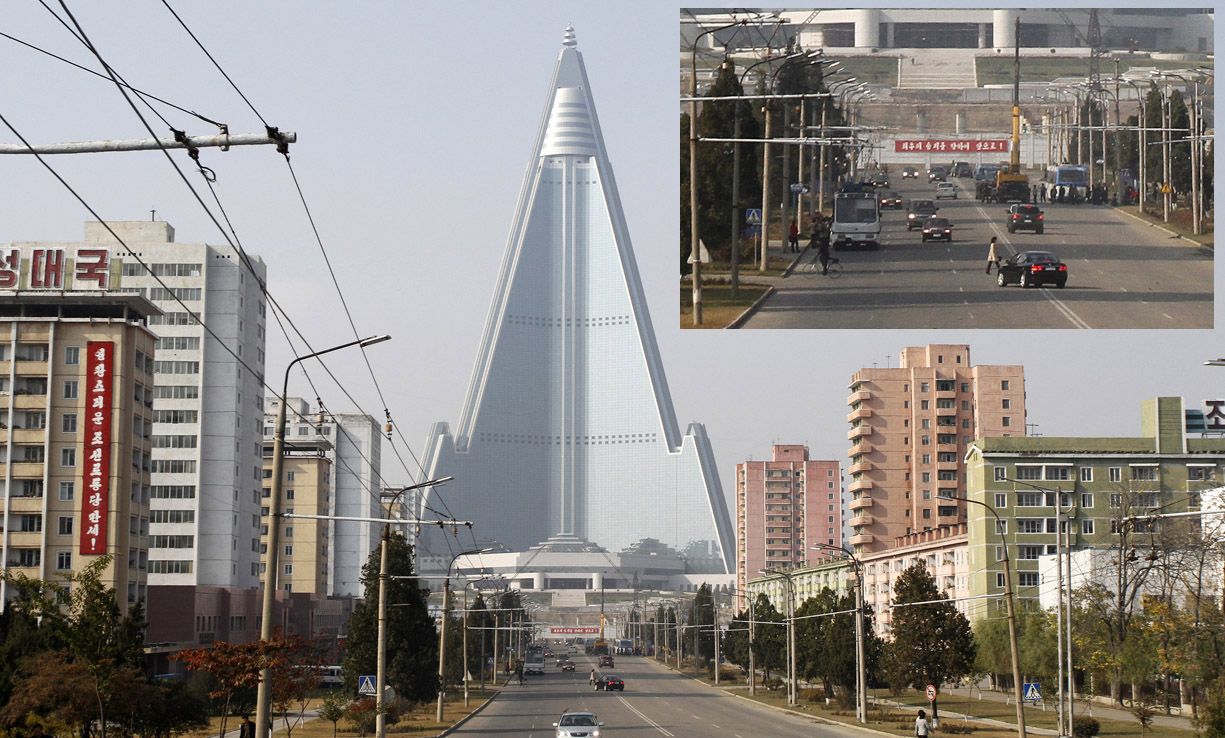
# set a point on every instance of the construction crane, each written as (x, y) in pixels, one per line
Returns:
(1010, 184)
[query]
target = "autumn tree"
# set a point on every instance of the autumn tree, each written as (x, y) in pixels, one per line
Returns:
(932, 642)
(234, 666)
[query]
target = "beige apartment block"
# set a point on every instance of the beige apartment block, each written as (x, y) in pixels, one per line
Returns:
(910, 428)
(303, 559)
(783, 507)
(76, 412)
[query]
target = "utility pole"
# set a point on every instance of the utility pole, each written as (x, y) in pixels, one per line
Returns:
(223, 141)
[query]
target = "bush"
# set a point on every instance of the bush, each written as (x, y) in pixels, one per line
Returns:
(814, 695)
(772, 683)
(1084, 726)
(960, 728)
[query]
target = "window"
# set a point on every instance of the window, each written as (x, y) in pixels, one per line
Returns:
(289, 476)
(63, 560)
(70, 389)
(1001, 527)
(923, 405)
(1201, 473)
(67, 490)
(927, 494)
(1030, 525)
(176, 391)
(927, 476)
(1004, 385)
(1086, 526)
(174, 441)
(1030, 499)
(1007, 421)
(68, 423)
(927, 440)
(68, 457)
(172, 516)
(172, 492)
(927, 514)
(1006, 404)
(1027, 578)
(174, 367)
(927, 423)
(175, 416)
(1144, 473)
(1029, 552)
(289, 570)
(999, 579)
(1001, 473)
(1029, 472)
(72, 355)
(174, 466)
(289, 550)
(172, 541)
(64, 527)
(289, 493)
(1086, 474)
(1116, 474)
(923, 386)
(170, 566)
(1001, 500)
(1086, 499)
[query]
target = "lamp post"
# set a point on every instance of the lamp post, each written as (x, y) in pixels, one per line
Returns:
(791, 685)
(1012, 622)
(442, 629)
(263, 699)
(861, 680)
(1196, 166)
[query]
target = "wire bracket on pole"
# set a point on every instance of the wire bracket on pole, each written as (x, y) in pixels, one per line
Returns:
(282, 143)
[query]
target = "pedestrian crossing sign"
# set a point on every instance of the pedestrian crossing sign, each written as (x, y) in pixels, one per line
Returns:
(365, 684)
(1032, 692)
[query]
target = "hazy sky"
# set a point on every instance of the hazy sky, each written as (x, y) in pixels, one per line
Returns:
(415, 125)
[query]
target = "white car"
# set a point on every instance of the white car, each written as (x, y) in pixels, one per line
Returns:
(946, 189)
(578, 725)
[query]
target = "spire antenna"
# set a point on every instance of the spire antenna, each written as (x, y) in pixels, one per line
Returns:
(569, 39)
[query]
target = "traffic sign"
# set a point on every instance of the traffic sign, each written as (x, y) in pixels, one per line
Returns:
(931, 693)
(752, 216)
(1032, 691)
(365, 685)
(1165, 189)
(798, 188)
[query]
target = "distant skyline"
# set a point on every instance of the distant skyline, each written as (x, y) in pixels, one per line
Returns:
(413, 136)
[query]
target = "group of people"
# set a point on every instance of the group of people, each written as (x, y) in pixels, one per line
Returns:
(819, 241)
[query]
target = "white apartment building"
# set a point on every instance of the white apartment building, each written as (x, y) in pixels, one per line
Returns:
(207, 466)
(356, 484)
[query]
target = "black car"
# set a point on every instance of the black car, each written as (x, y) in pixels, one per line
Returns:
(938, 228)
(567, 666)
(878, 180)
(920, 211)
(937, 174)
(1024, 217)
(606, 661)
(1032, 269)
(609, 682)
(910, 172)
(889, 199)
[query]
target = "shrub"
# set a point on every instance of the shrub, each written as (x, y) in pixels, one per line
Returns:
(814, 695)
(1084, 726)
(959, 728)
(773, 683)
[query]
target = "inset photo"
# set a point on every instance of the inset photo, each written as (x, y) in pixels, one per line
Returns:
(946, 168)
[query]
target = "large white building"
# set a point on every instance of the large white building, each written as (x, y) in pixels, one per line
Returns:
(354, 447)
(207, 409)
(568, 431)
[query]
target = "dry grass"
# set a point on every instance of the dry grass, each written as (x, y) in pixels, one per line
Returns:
(719, 308)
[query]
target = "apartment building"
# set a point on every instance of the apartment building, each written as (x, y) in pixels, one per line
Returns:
(783, 507)
(351, 445)
(910, 428)
(304, 560)
(76, 419)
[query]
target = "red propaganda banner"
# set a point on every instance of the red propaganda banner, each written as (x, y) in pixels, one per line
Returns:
(951, 145)
(96, 469)
(556, 630)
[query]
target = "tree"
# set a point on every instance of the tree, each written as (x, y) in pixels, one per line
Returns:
(235, 667)
(702, 615)
(297, 670)
(332, 709)
(825, 643)
(30, 624)
(480, 645)
(412, 665)
(769, 642)
(932, 642)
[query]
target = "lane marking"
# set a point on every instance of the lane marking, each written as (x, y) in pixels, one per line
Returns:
(1167, 315)
(648, 720)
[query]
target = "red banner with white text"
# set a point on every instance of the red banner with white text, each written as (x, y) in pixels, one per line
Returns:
(96, 466)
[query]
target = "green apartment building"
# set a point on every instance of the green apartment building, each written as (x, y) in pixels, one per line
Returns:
(1100, 482)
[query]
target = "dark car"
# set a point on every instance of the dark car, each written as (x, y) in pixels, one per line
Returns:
(1024, 217)
(606, 661)
(609, 682)
(920, 211)
(878, 180)
(962, 169)
(567, 666)
(1032, 269)
(938, 228)
(937, 174)
(910, 172)
(889, 199)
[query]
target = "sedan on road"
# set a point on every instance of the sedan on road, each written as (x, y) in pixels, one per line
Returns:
(889, 199)
(920, 211)
(567, 665)
(910, 173)
(1025, 217)
(937, 228)
(578, 725)
(609, 682)
(1033, 269)
(946, 189)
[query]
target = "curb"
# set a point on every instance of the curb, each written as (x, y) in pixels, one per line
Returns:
(469, 716)
(791, 267)
(1163, 229)
(748, 313)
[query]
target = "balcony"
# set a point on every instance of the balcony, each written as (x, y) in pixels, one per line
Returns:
(859, 486)
(27, 470)
(947, 466)
(30, 402)
(860, 503)
(861, 539)
(29, 435)
(863, 447)
(860, 466)
(859, 396)
(30, 368)
(860, 520)
(859, 431)
(860, 414)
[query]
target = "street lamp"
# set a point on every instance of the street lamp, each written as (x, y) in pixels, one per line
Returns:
(1012, 623)
(861, 680)
(442, 628)
(1193, 140)
(791, 686)
(263, 701)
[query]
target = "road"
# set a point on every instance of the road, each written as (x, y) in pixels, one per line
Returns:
(1122, 274)
(656, 702)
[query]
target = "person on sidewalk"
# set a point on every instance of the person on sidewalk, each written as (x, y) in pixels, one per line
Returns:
(993, 257)
(921, 728)
(793, 236)
(246, 729)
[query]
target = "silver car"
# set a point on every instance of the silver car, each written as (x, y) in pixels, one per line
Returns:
(578, 725)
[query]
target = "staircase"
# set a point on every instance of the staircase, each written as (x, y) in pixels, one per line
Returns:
(933, 69)
(569, 598)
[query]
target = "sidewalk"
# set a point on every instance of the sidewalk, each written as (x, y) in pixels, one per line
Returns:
(1081, 707)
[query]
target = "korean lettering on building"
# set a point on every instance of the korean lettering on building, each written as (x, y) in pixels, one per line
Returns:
(1214, 416)
(49, 268)
(96, 469)
(951, 145)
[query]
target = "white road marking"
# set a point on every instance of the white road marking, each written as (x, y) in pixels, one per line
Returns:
(1167, 316)
(648, 720)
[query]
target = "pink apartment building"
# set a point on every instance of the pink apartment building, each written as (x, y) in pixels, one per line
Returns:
(910, 427)
(783, 506)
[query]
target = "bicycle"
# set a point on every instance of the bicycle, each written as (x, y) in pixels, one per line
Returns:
(833, 267)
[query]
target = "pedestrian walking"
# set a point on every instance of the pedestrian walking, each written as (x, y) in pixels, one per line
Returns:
(993, 257)
(591, 679)
(921, 728)
(793, 236)
(519, 672)
(246, 729)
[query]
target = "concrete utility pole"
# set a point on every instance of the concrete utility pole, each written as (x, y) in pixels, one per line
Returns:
(222, 141)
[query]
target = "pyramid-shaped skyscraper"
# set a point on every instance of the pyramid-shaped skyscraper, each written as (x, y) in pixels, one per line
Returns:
(568, 429)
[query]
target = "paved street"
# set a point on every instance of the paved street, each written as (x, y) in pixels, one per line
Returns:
(655, 702)
(1122, 274)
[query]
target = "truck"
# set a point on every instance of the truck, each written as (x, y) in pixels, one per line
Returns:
(856, 220)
